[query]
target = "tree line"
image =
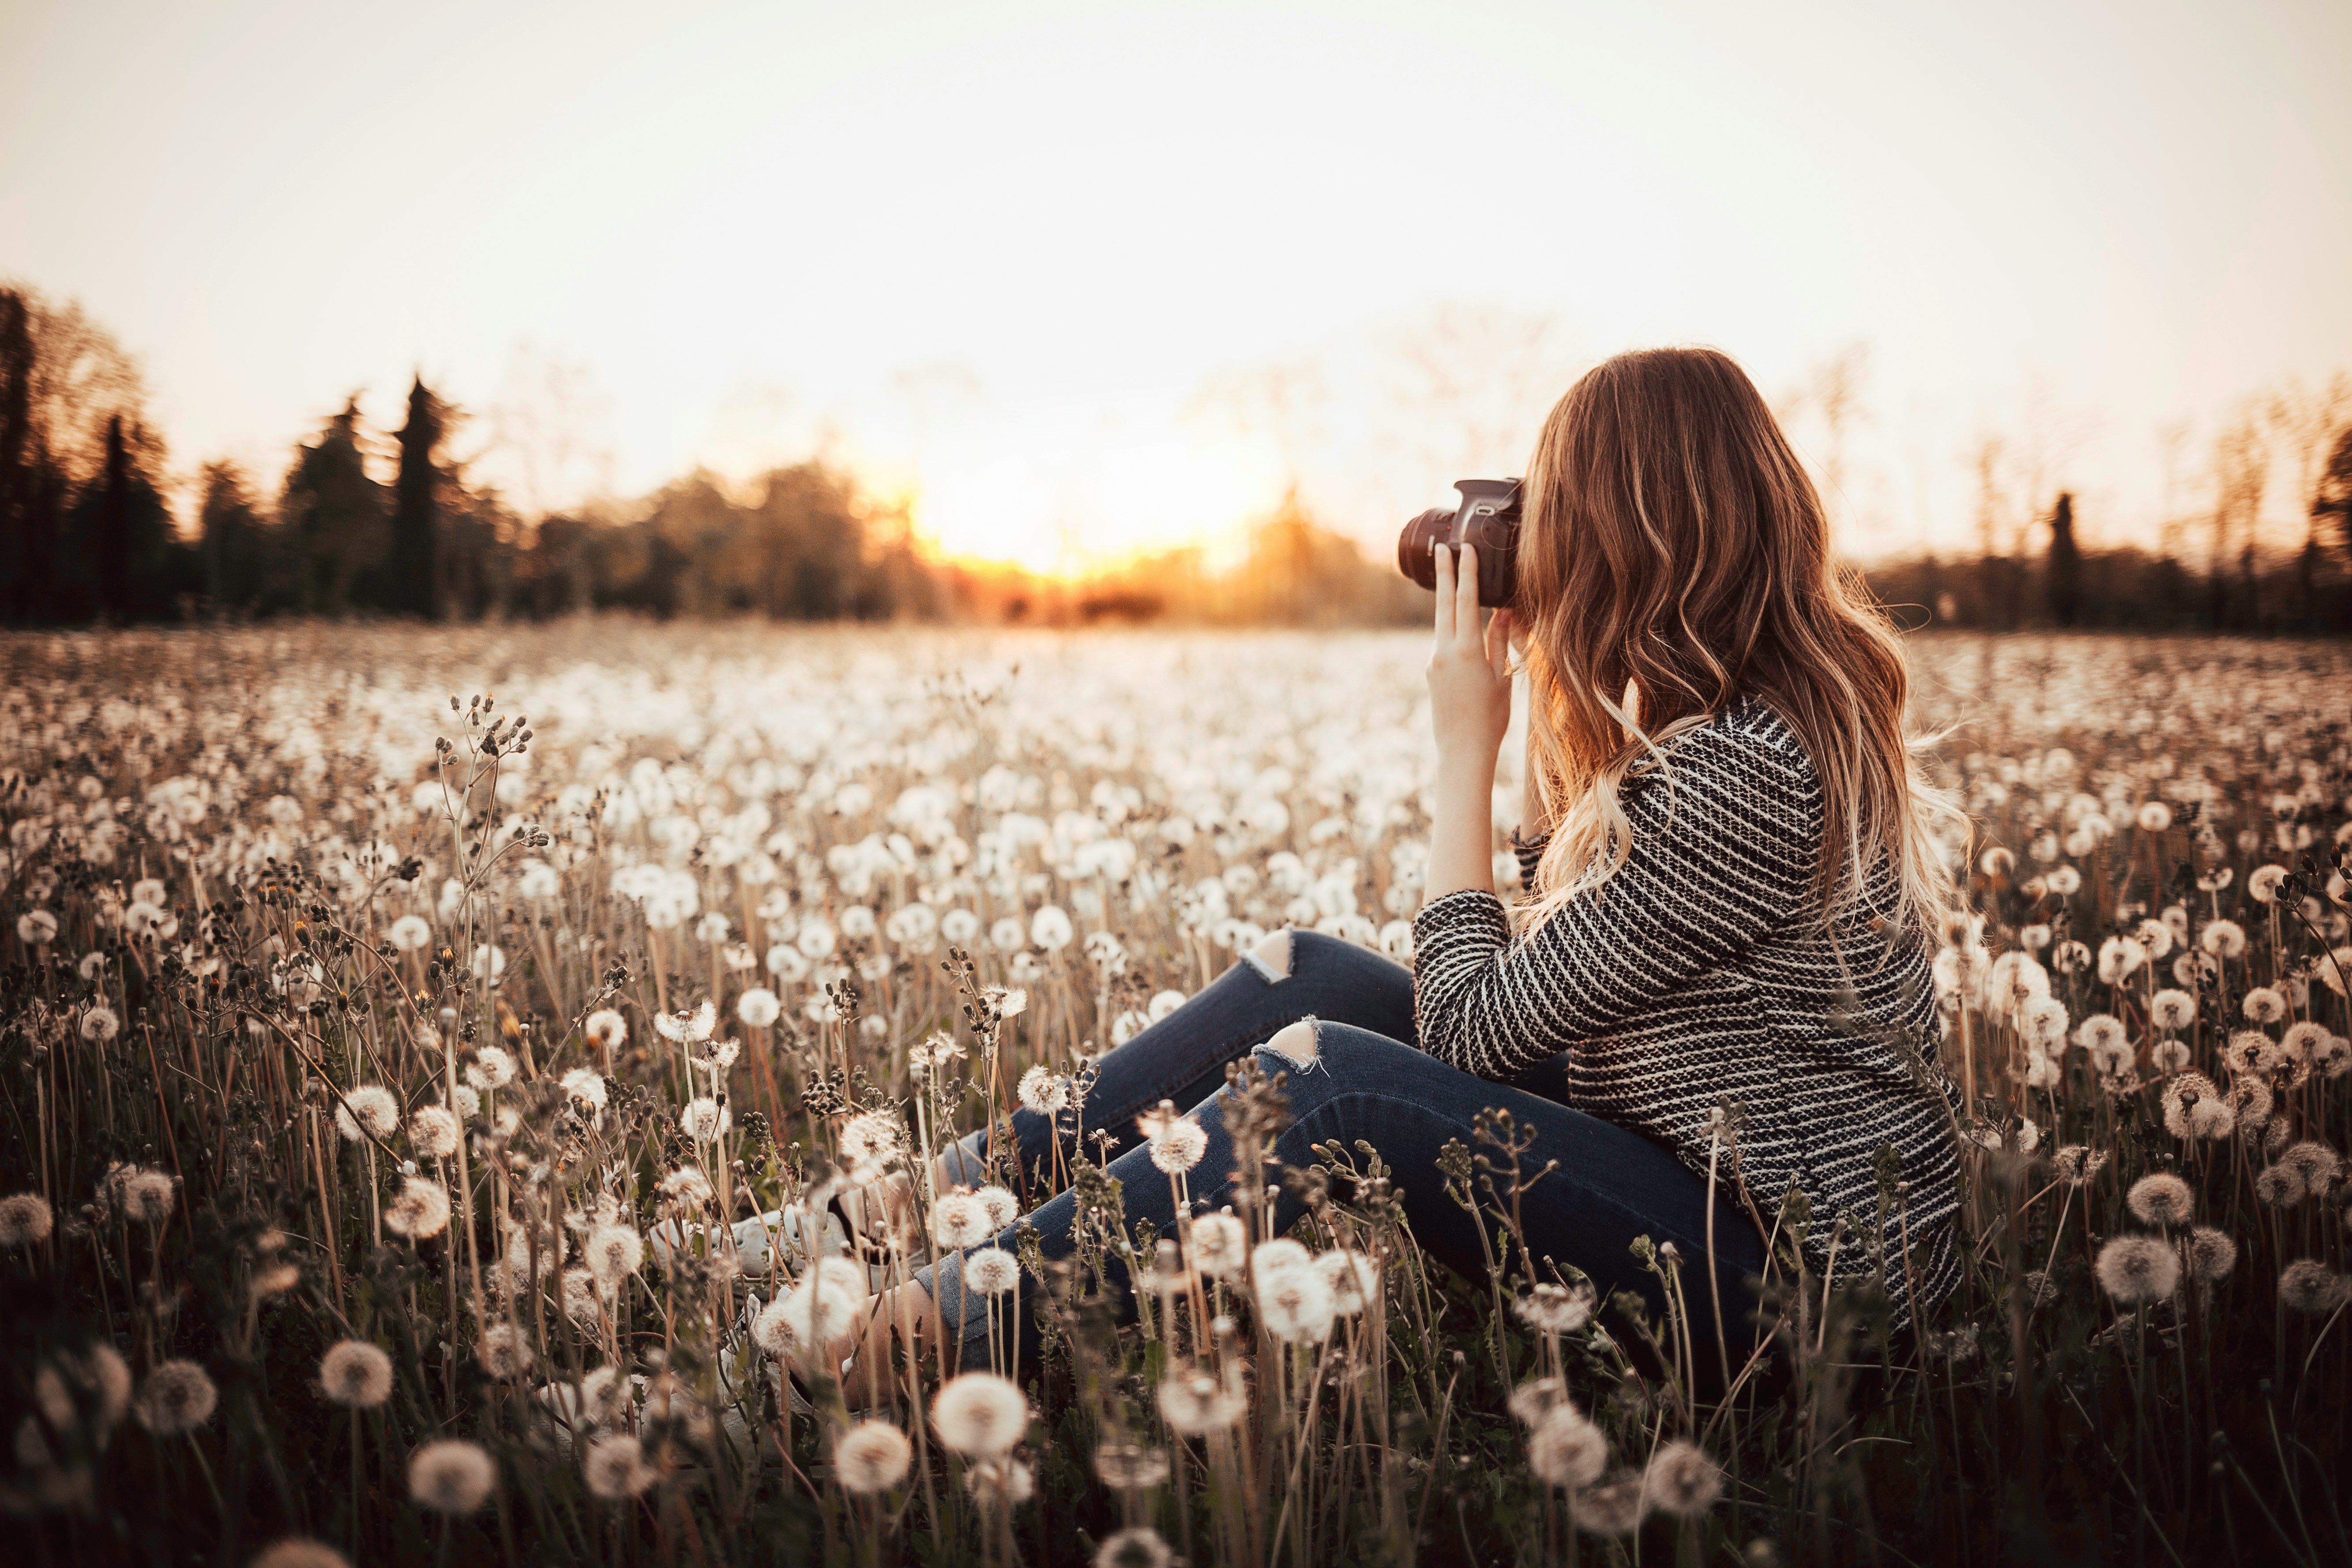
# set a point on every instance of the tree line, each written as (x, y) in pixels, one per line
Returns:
(86, 534)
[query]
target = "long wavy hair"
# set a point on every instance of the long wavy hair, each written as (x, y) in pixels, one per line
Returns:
(1674, 558)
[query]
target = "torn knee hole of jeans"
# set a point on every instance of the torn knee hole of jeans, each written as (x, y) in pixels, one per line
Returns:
(1286, 1040)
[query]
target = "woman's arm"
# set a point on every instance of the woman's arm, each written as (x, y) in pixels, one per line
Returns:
(1719, 857)
(1469, 709)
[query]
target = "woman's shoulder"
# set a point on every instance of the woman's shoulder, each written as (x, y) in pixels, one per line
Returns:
(1747, 744)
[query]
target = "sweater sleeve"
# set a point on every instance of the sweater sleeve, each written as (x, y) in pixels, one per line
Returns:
(1723, 851)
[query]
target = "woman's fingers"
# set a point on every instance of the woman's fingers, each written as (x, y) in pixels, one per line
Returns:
(1499, 644)
(1465, 596)
(1444, 596)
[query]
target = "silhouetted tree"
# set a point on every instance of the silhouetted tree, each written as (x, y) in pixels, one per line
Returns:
(2065, 565)
(334, 513)
(234, 542)
(412, 579)
(2333, 498)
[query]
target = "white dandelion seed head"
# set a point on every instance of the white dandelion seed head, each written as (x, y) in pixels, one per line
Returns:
(2265, 1005)
(2172, 1010)
(1353, 1278)
(26, 1220)
(1220, 1244)
(2137, 1270)
(420, 1212)
(433, 1132)
(368, 1111)
(606, 1029)
(1178, 1146)
(1139, 1547)
(503, 1351)
(1001, 1206)
(1044, 1091)
(2262, 883)
(409, 933)
(614, 1467)
(872, 1456)
(613, 1253)
(492, 1067)
(1004, 1482)
(991, 1271)
(148, 1197)
(1551, 1309)
(2211, 1255)
(1681, 1481)
(1294, 1303)
(584, 1087)
(1532, 1401)
(2161, 1199)
(355, 1374)
(871, 1140)
(1195, 1401)
(704, 1119)
(1565, 1449)
(688, 1186)
(451, 1476)
(178, 1396)
(1129, 1466)
(759, 1007)
(99, 1024)
(2310, 1287)
(980, 1413)
(2223, 939)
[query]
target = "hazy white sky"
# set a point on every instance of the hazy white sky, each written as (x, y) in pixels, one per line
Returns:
(1038, 256)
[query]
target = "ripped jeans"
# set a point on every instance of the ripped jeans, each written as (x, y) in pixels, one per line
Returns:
(1367, 1081)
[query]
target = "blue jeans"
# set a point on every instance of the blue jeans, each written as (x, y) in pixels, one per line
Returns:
(1367, 1081)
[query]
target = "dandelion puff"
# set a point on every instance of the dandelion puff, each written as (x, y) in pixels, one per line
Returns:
(1196, 1402)
(369, 1111)
(870, 1139)
(298, 1551)
(1178, 1145)
(872, 1456)
(979, 1413)
(2332, 1057)
(148, 1197)
(2211, 1255)
(2182, 1095)
(2262, 883)
(704, 1119)
(1044, 1091)
(613, 1253)
(1352, 1278)
(1682, 1480)
(491, 1069)
(2159, 1199)
(2170, 1009)
(688, 1186)
(958, 1221)
(1004, 1481)
(420, 1212)
(1616, 1505)
(1295, 1305)
(451, 1476)
(2168, 1056)
(1220, 1244)
(178, 1396)
(2278, 1186)
(100, 1024)
(503, 1351)
(409, 933)
(2103, 1036)
(759, 1007)
(2223, 939)
(2309, 1286)
(1531, 1402)
(1567, 1450)
(433, 1132)
(355, 1374)
(582, 1297)
(820, 1308)
(1002, 1207)
(1140, 1547)
(991, 1271)
(2264, 1006)
(1551, 1309)
(24, 1219)
(2043, 1021)
(1131, 1468)
(2119, 957)
(2133, 1270)
(584, 1087)
(2315, 1162)
(2077, 1163)
(606, 1029)
(614, 1467)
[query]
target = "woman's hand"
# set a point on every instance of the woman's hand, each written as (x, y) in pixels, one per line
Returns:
(1469, 670)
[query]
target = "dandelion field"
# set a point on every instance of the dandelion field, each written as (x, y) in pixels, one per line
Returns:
(407, 1097)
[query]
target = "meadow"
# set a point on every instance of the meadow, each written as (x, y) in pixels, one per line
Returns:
(433, 1061)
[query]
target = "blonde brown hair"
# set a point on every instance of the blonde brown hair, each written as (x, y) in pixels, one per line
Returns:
(1675, 548)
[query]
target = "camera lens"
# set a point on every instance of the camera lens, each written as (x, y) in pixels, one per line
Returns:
(1416, 546)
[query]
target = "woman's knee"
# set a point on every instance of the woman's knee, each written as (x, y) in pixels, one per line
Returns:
(1272, 954)
(1296, 1041)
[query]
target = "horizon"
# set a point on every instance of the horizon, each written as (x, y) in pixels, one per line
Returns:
(1087, 281)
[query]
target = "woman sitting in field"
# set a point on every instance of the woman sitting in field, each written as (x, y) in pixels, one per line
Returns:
(1720, 989)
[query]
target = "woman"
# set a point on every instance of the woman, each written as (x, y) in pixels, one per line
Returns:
(1733, 877)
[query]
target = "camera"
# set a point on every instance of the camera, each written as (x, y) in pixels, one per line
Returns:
(1487, 519)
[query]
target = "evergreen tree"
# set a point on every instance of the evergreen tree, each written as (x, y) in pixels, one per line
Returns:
(135, 565)
(413, 572)
(333, 511)
(234, 542)
(2065, 565)
(25, 530)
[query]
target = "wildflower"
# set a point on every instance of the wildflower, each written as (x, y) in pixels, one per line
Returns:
(614, 1467)
(872, 1456)
(820, 1308)
(1682, 1480)
(1141, 1547)
(605, 1028)
(1042, 1091)
(613, 1253)
(298, 1551)
(2170, 1010)
(2262, 883)
(603, 1396)
(759, 1007)
(1219, 1245)
(1531, 1402)
(1616, 1505)
(36, 928)
(2332, 969)
(452, 1477)
(2168, 1056)
(1295, 1304)
(409, 933)
(2162, 1199)
(958, 1221)
(2076, 1164)
(687, 1027)
(583, 1087)
(148, 1195)
(1178, 1144)
(1000, 1206)
(100, 1024)
(704, 1119)
(367, 1111)
(1004, 1481)
(1050, 929)
(420, 1212)
(178, 1396)
(688, 1186)
(2211, 1255)
(869, 1140)
(2133, 1270)
(2110, 1048)
(2264, 1006)
(2155, 936)
(1566, 1449)
(1128, 1467)
(2223, 939)
(2250, 1102)
(2064, 880)
(1353, 1278)
(582, 1298)
(24, 1219)
(2310, 1287)
(991, 1271)
(980, 1413)
(355, 1374)
(2278, 1186)
(2119, 956)
(433, 1132)
(1011, 1003)
(1196, 1402)
(2186, 1101)
(1551, 1309)
(2317, 1165)
(2043, 1021)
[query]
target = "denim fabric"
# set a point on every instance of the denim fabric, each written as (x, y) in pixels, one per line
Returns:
(1367, 1081)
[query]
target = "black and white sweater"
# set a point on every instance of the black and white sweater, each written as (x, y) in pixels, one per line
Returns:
(1703, 971)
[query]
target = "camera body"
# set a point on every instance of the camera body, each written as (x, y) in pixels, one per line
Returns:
(1487, 520)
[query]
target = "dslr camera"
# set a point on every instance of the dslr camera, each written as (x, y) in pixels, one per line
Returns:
(1487, 519)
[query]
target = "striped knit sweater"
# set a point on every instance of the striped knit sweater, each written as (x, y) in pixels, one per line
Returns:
(1703, 971)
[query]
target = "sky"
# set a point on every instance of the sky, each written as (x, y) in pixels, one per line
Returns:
(1077, 279)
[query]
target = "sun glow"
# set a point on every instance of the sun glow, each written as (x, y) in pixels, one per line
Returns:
(1038, 506)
